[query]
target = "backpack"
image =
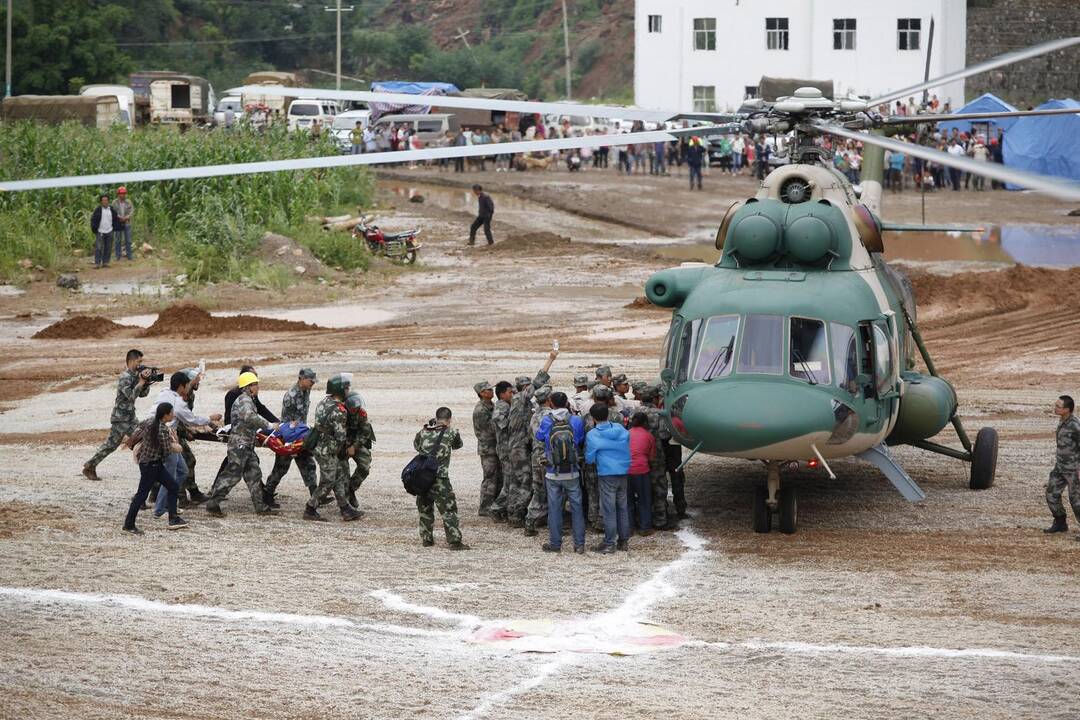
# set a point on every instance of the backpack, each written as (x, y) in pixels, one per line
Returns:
(419, 475)
(562, 448)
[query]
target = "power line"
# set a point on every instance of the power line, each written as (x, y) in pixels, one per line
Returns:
(284, 38)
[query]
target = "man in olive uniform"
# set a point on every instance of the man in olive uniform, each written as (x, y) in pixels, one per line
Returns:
(331, 450)
(439, 440)
(520, 490)
(581, 400)
(486, 446)
(360, 437)
(294, 410)
(132, 384)
(1066, 466)
(662, 516)
(537, 509)
(500, 419)
(241, 460)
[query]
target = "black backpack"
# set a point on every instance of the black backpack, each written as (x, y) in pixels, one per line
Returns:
(419, 475)
(562, 450)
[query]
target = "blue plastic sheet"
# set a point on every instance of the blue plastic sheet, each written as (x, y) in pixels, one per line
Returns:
(984, 103)
(1047, 145)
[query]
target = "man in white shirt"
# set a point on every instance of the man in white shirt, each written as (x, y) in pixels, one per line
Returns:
(101, 222)
(176, 395)
(956, 149)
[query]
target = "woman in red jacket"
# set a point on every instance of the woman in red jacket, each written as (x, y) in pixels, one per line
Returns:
(639, 488)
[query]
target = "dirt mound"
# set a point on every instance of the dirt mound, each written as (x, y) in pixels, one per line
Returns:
(534, 242)
(187, 320)
(642, 303)
(79, 326)
(280, 250)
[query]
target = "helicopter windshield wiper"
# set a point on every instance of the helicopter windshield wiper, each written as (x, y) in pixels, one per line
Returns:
(806, 367)
(715, 367)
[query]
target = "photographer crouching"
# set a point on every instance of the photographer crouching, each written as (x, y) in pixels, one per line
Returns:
(134, 383)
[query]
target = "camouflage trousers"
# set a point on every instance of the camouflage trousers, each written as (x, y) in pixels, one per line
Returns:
(189, 460)
(362, 458)
(658, 478)
(537, 512)
(591, 482)
(333, 477)
(441, 496)
(673, 459)
(1055, 487)
(304, 462)
(240, 463)
(492, 482)
(506, 475)
(116, 436)
(516, 490)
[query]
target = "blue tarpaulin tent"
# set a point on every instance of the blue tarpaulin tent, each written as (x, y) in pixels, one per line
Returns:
(379, 109)
(984, 103)
(1047, 145)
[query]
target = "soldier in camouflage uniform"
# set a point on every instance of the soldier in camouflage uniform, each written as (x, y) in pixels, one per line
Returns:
(486, 446)
(332, 451)
(241, 460)
(663, 518)
(500, 419)
(519, 488)
(438, 439)
(360, 436)
(1066, 466)
(184, 437)
(130, 386)
(590, 480)
(294, 410)
(537, 509)
(581, 400)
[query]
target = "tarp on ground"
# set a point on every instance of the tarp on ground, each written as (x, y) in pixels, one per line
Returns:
(378, 109)
(1048, 145)
(984, 103)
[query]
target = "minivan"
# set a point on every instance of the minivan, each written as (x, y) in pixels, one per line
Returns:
(430, 128)
(303, 113)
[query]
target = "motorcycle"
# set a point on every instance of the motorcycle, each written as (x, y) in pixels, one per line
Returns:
(398, 247)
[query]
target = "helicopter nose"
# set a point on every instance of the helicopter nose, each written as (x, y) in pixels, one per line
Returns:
(740, 416)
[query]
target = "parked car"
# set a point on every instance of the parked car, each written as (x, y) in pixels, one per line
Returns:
(230, 102)
(304, 112)
(430, 128)
(344, 124)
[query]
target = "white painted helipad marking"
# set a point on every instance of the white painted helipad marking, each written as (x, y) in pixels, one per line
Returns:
(801, 648)
(139, 604)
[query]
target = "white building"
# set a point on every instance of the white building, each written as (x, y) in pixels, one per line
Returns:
(708, 55)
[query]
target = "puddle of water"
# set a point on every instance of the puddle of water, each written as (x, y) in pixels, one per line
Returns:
(1051, 245)
(327, 316)
(126, 288)
(11, 291)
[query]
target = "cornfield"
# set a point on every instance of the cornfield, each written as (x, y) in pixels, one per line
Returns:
(210, 225)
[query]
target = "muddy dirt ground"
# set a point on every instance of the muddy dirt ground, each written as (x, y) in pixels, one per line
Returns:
(956, 607)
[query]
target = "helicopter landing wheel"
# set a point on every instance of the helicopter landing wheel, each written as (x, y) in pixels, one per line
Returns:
(984, 459)
(762, 512)
(789, 510)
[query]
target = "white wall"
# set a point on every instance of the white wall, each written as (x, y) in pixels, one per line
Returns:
(666, 67)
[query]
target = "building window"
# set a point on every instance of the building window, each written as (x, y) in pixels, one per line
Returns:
(704, 33)
(704, 98)
(776, 33)
(750, 91)
(907, 33)
(655, 23)
(843, 34)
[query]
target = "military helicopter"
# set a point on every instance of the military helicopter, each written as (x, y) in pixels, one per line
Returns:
(800, 343)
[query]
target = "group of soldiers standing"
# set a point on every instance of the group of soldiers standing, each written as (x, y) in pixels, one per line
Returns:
(506, 419)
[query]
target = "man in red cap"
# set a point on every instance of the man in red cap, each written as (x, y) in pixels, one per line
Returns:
(122, 212)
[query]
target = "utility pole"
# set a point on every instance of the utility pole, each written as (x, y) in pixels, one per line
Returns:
(7, 58)
(338, 10)
(566, 48)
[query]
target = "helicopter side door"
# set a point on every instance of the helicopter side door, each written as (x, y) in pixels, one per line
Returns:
(879, 376)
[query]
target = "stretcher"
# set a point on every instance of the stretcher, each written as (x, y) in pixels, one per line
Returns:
(287, 441)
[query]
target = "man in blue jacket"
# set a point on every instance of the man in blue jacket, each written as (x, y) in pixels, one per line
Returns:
(563, 435)
(608, 447)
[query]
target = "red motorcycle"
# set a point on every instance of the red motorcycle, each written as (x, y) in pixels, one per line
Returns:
(398, 247)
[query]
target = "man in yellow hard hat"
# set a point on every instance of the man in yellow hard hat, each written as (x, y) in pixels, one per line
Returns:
(241, 461)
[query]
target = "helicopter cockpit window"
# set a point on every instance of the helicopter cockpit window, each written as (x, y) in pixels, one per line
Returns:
(845, 351)
(687, 343)
(883, 362)
(809, 352)
(671, 347)
(716, 348)
(762, 345)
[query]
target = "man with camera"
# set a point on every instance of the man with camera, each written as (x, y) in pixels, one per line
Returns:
(134, 383)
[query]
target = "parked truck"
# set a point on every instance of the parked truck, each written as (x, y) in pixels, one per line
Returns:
(123, 94)
(101, 112)
(181, 99)
(269, 108)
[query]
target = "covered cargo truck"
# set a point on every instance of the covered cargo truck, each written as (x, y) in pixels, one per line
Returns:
(181, 100)
(101, 112)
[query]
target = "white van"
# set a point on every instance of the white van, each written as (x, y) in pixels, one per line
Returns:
(125, 97)
(430, 128)
(303, 113)
(344, 123)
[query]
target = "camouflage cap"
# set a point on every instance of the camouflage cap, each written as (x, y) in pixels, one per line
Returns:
(591, 384)
(543, 393)
(649, 393)
(522, 380)
(603, 371)
(638, 385)
(482, 386)
(581, 380)
(307, 374)
(619, 379)
(601, 392)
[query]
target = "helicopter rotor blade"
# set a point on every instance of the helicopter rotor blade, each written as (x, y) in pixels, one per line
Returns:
(334, 161)
(1055, 187)
(915, 119)
(456, 101)
(991, 64)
